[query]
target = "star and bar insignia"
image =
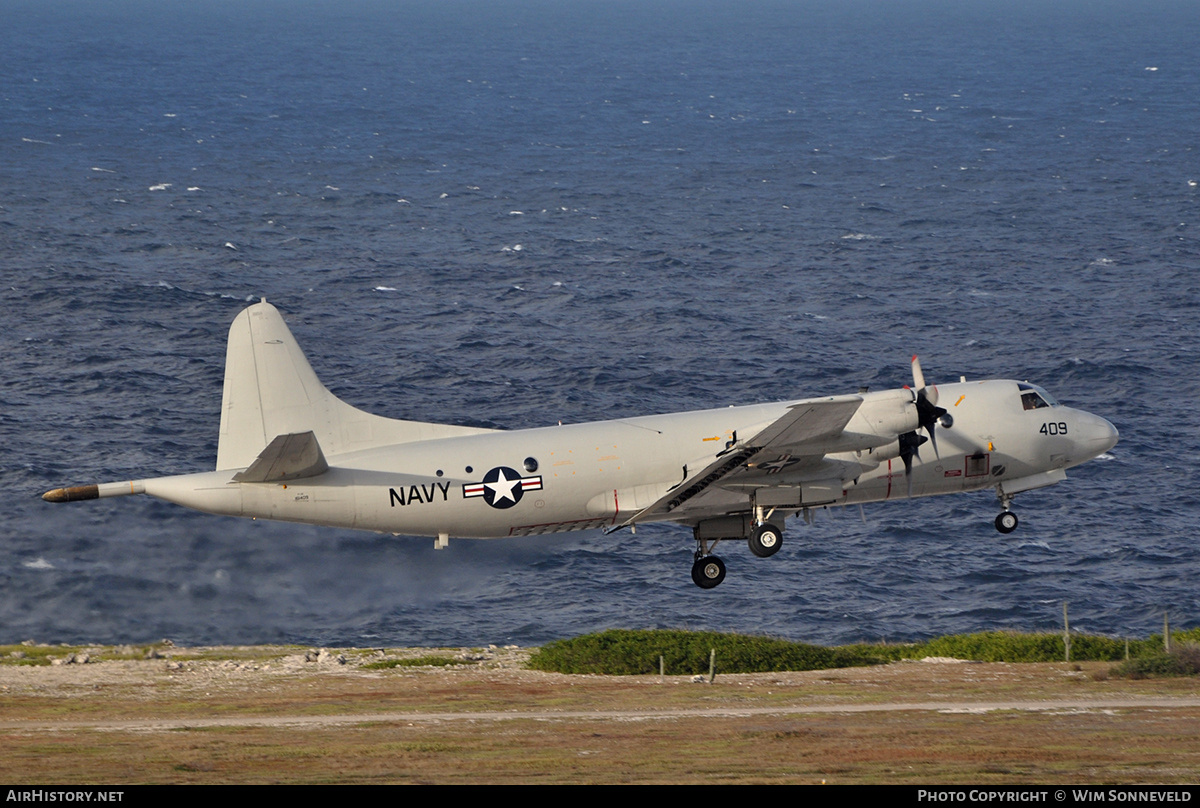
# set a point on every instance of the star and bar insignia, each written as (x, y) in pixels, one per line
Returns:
(502, 487)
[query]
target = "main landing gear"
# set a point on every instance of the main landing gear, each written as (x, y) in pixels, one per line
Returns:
(765, 540)
(708, 570)
(1007, 521)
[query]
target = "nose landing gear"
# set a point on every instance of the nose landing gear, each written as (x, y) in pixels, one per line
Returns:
(1007, 521)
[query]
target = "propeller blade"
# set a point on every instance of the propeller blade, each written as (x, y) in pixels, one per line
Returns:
(909, 443)
(927, 416)
(928, 412)
(918, 376)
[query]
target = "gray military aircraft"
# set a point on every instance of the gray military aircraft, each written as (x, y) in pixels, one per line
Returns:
(290, 450)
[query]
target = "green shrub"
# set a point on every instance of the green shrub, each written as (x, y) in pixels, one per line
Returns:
(1183, 660)
(414, 662)
(1007, 646)
(624, 652)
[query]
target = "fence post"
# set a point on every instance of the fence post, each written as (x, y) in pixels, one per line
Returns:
(1066, 633)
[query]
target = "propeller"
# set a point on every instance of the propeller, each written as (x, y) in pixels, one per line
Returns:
(928, 412)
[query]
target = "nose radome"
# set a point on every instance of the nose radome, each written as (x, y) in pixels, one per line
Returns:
(1098, 434)
(1109, 436)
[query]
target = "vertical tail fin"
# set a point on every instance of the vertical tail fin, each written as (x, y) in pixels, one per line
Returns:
(271, 390)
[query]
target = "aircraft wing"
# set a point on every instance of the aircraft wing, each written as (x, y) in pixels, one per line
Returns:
(797, 439)
(808, 422)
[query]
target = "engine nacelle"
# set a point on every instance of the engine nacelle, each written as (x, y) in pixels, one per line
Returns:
(888, 412)
(889, 451)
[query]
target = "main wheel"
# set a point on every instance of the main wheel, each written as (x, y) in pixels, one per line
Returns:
(1006, 522)
(765, 540)
(708, 571)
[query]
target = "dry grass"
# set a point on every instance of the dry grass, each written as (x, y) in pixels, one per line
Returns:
(50, 733)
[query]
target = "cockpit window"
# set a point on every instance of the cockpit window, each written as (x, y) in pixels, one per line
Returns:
(1032, 401)
(1034, 398)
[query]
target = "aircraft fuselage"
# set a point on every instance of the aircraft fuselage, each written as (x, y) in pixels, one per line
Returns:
(292, 451)
(586, 476)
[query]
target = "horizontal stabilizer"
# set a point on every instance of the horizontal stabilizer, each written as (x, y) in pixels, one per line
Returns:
(288, 457)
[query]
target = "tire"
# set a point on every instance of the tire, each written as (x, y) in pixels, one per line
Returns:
(708, 571)
(1007, 522)
(765, 540)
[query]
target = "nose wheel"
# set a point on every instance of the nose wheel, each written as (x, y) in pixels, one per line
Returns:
(1007, 522)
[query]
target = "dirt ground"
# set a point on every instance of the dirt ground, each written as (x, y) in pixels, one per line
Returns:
(281, 715)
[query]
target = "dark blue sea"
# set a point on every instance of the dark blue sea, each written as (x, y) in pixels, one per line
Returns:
(518, 212)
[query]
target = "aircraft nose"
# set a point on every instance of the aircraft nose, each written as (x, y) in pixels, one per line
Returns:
(1097, 435)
